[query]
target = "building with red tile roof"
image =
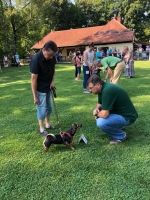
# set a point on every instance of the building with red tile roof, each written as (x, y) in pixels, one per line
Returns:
(113, 34)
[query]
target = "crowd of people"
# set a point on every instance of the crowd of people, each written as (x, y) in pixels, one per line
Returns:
(113, 61)
(140, 54)
(114, 109)
(13, 61)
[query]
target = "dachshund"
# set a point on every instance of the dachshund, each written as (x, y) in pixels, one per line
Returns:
(62, 138)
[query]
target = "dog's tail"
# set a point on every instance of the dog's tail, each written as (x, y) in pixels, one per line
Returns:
(51, 135)
(46, 142)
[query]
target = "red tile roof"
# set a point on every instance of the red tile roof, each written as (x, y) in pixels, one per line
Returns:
(112, 32)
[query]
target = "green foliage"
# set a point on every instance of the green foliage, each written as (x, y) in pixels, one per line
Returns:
(134, 17)
(96, 171)
(26, 22)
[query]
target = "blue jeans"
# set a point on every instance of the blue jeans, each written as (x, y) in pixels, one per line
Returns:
(45, 106)
(86, 74)
(112, 126)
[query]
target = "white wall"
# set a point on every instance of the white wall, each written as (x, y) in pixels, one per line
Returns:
(119, 46)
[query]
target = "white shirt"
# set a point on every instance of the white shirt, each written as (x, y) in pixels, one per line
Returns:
(90, 57)
(140, 49)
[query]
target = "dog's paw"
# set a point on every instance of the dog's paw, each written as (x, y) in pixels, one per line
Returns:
(45, 149)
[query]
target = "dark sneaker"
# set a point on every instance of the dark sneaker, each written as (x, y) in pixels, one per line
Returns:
(117, 141)
(44, 133)
(50, 127)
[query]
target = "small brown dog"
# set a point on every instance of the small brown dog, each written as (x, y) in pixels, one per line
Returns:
(62, 138)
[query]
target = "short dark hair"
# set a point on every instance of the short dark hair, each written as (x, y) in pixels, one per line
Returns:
(50, 45)
(77, 54)
(91, 45)
(94, 79)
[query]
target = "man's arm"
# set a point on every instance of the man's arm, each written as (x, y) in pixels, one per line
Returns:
(73, 59)
(103, 114)
(52, 83)
(109, 73)
(34, 87)
(93, 61)
(128, 55)
(97, 109)
(97, 112)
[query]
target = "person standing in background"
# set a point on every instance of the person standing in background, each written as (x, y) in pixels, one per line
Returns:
(75, 64)
(140, 52)
(78, 63)
(147, 51)
(98, 53)
(88, 63)
(5, 61)
(128, 58)
(17, 59)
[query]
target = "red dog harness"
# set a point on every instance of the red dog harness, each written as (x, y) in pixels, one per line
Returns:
(65, 133)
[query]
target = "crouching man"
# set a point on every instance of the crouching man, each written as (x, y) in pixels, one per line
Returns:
(114, 110)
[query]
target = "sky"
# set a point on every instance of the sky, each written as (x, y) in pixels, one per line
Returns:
(13, 1)
(72, 1)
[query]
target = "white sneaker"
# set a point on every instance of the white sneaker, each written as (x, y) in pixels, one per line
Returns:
(86, 92)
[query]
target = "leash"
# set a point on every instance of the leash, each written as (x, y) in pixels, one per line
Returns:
(53, 92)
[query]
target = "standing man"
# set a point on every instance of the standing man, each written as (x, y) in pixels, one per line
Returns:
(42, 68)
(147, 51)
(114, 109)
(98, 54)
(17, 59)
(88, 63)
(113, 63)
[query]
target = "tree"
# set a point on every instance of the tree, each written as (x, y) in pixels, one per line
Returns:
(24, 22)
(4, 32)
(134, 17)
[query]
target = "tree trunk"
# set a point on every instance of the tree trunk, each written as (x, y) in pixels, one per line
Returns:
(14, 35)
(5, 28)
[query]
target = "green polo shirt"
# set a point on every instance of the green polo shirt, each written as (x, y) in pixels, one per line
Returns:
(110, 61)
(117, 101)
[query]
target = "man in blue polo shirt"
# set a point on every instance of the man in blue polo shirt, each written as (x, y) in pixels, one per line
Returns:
(114, 109)
(42, 68)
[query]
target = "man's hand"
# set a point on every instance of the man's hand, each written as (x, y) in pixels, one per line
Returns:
(95, 112)
(53, 91)
(52, 85)
(111, 79)
(36, 100)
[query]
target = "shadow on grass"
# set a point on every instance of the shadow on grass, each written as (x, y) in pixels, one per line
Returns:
(93, 171)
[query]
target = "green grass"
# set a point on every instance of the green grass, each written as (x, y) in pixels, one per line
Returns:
(96, 171)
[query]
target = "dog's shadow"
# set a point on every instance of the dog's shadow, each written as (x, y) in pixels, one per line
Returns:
(63, 148)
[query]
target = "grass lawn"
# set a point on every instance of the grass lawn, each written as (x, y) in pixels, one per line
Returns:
(94, 171)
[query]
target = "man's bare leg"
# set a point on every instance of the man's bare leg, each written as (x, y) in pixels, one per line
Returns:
(47, 121)
(41, 125)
